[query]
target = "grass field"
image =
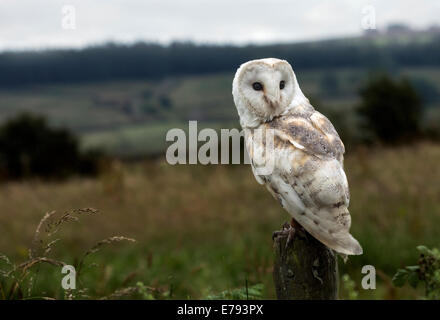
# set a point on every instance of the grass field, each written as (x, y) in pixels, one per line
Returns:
(205, 229)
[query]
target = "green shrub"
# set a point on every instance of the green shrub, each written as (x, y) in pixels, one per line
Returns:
(427, 271)
(392, 110)
(29, 147)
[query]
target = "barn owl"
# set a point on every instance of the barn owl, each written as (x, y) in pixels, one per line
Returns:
(308, 177)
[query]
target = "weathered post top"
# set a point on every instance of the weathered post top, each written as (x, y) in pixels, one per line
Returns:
(304, 270)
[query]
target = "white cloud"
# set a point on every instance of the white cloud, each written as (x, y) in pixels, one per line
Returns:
(37, 23)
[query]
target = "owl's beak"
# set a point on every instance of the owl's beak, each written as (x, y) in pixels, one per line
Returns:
(273, 98)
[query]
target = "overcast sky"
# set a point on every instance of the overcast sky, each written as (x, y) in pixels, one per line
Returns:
(38, 23)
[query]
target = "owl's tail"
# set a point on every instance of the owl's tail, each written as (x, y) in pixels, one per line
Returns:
(342, 242)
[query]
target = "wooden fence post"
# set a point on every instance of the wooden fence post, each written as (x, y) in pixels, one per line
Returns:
(305, 270)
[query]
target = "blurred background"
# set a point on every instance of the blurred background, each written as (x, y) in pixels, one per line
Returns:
(88, 91)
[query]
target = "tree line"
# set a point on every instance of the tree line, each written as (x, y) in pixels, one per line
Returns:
(149, 60)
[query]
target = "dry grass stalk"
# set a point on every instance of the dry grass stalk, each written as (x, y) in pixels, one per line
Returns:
(68, 216)
(107, 241)
(36, 239)
(51, 227)
(49, 246)
(99, 245)
(7, 261)
(5, 273)
(25, 266)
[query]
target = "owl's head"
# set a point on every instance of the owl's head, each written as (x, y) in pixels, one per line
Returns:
(264, 89)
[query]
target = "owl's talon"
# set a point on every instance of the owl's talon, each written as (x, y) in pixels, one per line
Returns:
(276, 234)
(281, 233)
(299, 229)
(291, 234)
(288, 231)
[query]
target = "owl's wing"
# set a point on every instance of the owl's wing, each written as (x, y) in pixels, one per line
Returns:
(312, 130)
(308, 178)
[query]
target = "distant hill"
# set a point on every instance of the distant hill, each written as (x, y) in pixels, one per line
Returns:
(152, 61)
(124, 98)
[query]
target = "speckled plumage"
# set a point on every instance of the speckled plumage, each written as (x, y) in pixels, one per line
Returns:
(308, 178)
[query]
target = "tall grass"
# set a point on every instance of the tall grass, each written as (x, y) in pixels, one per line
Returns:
(18, 281)
(206, 229)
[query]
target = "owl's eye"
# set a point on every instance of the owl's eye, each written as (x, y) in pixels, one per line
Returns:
(257, 86)
(282, 84)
